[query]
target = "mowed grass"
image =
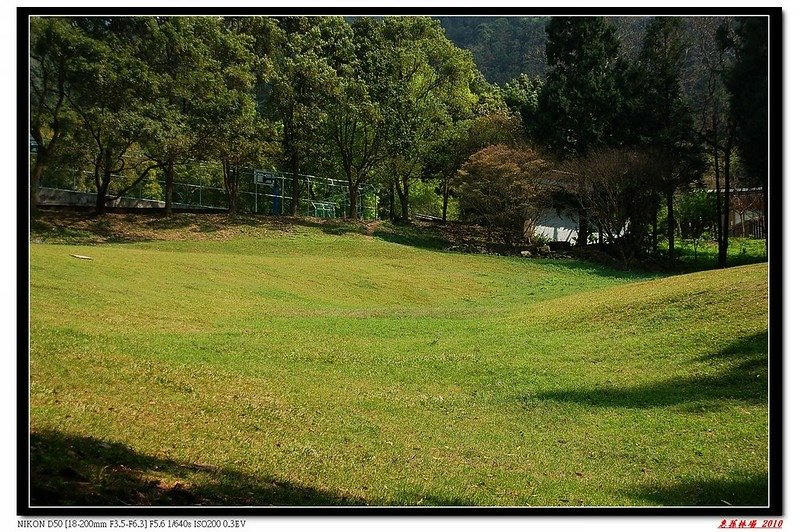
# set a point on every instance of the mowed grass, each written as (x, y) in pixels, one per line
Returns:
(292, 366)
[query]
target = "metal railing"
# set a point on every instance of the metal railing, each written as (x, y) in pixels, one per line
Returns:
(320, 197)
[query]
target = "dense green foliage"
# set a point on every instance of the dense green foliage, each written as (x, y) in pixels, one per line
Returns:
(321, 365)
(503, 47)
(391, 102)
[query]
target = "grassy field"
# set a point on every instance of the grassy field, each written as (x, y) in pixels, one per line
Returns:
(741, 251)
(254, 362)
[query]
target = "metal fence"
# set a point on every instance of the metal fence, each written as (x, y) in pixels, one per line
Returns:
(260, 191)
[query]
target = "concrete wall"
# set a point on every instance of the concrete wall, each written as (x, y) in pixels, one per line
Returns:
(557, 226)
(560, 227)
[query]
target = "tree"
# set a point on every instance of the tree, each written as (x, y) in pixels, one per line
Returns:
(301, 83)
(240, 137)
(355, 124)
(56, 46)
(110, 90)
(422, 84)
(746, 82)
(521, 95)
(580, 96)
(608, 184)
(664, 119)
(580, 100)
(457, 143)
(204, 80)
(716, 125)
(502, 188)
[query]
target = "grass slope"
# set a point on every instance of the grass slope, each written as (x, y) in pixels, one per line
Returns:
(263, 363)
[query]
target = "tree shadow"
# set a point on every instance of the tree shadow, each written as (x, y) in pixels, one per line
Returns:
(412, 498)
(69, 470)
(424, 237)
(749, 347)
(739, 490)
(72, 470)
(743, 377)
(598, 269)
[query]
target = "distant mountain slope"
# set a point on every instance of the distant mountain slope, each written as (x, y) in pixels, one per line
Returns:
(503, 47)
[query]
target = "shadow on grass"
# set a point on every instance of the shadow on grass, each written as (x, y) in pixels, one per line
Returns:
(599, 270)
(744, 378)
(749, 347)
(739, 490)
(71, 470)
(207, 222)
(741, 252)
(411, 236)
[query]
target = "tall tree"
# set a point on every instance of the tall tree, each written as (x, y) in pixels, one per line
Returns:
(665, 120)
(302, 81)
(580, 99)
(203, 75)
(747, 83)
(111, 92)
(715, 122)
(56, 46)
(423, 86)
(241, 138)
(355, 124)
(580, 96)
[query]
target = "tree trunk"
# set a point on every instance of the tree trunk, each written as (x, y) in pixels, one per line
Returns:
(723, 249)
(230, 176)
(392, 215)
(671, 222)
(445, 198)
(404, 200)
(36, 179)
(169, 185)
(102, 179)
(721, 252)
(583, 228)
(655, 225)
(295, 164)
(352, 207)
(402, 187)
(102, 191)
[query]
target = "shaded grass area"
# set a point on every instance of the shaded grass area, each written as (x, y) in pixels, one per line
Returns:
(288, 365)
(742, 377)
(735, 489)
(741, 251)
(86, 471)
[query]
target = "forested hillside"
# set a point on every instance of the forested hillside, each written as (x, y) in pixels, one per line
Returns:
(503, 47)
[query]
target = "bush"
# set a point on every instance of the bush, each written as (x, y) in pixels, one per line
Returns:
(502, 188)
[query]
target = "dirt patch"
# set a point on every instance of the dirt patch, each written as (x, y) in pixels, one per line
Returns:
(80, 227)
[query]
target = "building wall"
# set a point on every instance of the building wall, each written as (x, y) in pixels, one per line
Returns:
(558, 226)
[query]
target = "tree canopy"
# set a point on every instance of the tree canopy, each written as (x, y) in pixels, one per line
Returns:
(406, 103)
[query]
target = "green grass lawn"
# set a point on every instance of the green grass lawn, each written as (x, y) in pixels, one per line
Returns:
(741, 251)
(264, 364)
